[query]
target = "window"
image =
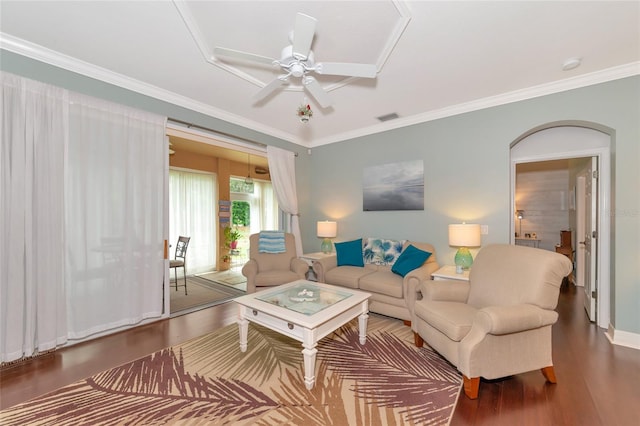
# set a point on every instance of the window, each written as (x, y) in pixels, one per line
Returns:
(254, 208)
(192, 198)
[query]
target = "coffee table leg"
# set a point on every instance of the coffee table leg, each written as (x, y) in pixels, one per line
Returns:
(243, 327)
(362, 320)
(309, 355)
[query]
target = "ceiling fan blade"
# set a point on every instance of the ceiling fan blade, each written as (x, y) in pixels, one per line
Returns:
(270, 88)
(347, 69)
(314, 88)
(303, 35)
(237, 54)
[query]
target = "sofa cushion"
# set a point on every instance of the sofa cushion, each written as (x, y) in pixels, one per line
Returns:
(410, 259)
(277, 277)
(383, 281)
(349, 253)
(379, 251)
(452, 319)
(347, 276)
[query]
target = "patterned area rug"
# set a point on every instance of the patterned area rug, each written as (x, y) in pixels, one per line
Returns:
(387, 381)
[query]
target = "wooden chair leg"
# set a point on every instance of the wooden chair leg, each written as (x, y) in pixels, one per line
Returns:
(418, 340)
(407, 323)
(471, 386)
(549, 374)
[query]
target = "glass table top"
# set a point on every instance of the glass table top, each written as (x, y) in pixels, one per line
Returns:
(304, 298)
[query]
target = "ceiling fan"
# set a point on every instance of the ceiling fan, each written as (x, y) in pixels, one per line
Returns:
(297, 60)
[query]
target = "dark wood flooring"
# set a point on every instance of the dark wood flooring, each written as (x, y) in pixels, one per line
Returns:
(595, 378)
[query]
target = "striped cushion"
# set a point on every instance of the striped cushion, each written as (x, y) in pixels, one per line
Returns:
(271, 242)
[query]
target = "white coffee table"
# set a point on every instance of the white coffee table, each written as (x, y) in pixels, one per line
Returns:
(305, 311)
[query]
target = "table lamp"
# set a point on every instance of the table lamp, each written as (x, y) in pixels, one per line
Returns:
(463, 236)
(520, 216)
(327, 229)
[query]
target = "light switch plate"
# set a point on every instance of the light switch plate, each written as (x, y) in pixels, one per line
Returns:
(484, 229)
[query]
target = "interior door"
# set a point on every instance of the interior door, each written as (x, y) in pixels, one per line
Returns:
(590, 240)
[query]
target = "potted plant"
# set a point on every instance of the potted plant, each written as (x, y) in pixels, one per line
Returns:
(231, 237)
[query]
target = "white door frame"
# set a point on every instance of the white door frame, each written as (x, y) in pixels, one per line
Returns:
(555, 141)
(580, 228)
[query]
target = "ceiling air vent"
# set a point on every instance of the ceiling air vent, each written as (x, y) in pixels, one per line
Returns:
(388, 117)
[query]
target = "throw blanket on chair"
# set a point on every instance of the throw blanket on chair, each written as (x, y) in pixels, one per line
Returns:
(271, 242)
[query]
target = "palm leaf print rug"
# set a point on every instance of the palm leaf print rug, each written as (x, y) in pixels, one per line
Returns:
(209, 381)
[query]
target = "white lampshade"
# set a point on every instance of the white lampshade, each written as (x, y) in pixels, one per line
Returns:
(327, 229)
(464, 235)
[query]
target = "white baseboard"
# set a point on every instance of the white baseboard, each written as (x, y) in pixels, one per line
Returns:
(623, 338)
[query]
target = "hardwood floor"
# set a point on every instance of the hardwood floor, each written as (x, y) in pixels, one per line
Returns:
(596, 381)
(595, 378)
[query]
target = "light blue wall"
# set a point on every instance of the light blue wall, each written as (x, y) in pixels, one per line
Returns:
(466, 164)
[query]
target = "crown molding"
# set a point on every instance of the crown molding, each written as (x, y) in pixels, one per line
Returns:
(597, 77)
(57, 59)
(51, 57)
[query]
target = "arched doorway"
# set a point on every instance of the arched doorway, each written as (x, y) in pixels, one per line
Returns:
(567, 140)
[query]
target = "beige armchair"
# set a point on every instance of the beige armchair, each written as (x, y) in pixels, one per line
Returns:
(271, 269)
(499, 323)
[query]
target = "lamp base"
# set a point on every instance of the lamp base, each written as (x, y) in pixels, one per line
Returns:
(463, 259)
(327, 246)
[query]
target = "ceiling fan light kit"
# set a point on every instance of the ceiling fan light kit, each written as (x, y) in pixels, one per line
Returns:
(298, 61)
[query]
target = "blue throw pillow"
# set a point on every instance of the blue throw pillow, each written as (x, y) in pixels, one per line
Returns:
(349, 253)
(410, 259)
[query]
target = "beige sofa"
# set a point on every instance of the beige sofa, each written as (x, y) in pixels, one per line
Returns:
(499, 323)
(391, 294)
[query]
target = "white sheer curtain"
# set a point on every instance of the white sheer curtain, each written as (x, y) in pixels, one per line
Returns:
(33, 123)
(81, 211)
(114, 215)
(192, 199)
(283, 175)
(264, 207)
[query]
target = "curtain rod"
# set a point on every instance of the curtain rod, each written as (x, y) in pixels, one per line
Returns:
(189, 125)
(216, 132)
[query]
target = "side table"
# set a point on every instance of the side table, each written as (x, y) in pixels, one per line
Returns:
(449, 273)
(310, 258)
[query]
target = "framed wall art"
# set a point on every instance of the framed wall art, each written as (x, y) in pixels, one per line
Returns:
(394, 186)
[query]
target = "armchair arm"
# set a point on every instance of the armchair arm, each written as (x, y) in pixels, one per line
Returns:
(299, 266)
(412, 282)
(512, 319)
(249, 270)
(321, 266)
(445, 290)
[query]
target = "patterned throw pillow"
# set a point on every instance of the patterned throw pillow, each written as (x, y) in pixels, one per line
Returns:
(271, 242)
(379, 251)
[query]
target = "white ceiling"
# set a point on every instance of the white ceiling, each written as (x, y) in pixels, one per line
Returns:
(434, 59)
